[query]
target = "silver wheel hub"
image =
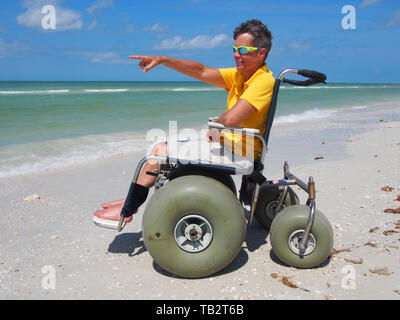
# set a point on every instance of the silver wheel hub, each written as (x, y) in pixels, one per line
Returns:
(193, 233)
(294, 243)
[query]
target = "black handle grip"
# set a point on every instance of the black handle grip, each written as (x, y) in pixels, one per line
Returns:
(304, 83)
(312, 74)
(314, 77)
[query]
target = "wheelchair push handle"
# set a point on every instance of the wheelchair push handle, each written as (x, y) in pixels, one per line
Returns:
(314, 77)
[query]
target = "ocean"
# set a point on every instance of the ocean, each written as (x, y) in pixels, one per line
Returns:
(47, 125)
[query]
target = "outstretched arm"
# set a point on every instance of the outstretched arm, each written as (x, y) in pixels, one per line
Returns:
(190, 68)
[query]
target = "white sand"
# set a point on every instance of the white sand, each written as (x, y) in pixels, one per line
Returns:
(55, 227)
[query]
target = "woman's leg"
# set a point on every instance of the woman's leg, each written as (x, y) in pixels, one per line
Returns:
(147, 180)
(137, 192)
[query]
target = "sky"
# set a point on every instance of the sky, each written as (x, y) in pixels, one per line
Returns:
(93, 39)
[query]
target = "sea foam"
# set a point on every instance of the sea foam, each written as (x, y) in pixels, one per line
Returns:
(52, 154)
(105, 90)
(306, 115)
(17, 92)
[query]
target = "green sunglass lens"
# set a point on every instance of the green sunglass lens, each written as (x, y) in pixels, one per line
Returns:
(241, 50)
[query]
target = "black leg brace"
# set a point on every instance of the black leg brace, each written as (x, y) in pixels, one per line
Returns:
(136, 197)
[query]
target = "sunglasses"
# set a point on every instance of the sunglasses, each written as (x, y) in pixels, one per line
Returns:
(244, 50)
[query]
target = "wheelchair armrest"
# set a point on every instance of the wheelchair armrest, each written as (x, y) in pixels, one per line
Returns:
(245, 131)
(220, 126)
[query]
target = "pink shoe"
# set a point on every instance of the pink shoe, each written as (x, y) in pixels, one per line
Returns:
(110, 217)
(112, 203)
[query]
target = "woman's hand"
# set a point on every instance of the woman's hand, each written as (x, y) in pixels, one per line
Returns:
(148, 62)
(213, 135)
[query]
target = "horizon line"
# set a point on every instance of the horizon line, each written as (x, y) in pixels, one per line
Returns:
(194, 81)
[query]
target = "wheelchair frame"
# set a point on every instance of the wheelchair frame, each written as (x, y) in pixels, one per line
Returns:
(256, 175)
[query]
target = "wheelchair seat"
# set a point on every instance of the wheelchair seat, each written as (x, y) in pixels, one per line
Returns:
(210, 155)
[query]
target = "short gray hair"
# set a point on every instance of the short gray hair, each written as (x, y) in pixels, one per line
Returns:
(262, 36)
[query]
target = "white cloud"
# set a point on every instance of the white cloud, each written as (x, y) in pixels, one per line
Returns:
(99, 4)
(220, 28)
(110, 57)
(94, 24)
(199, 42)
(66, 19)
(296, 45)
(158, 27)
(9, 48)
(394, 20)
(368, 3)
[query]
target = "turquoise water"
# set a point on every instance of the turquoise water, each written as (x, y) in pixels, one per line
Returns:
(53, 124)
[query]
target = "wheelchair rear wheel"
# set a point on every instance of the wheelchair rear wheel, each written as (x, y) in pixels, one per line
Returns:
(194, 226)
(189, 170)
(268, 201)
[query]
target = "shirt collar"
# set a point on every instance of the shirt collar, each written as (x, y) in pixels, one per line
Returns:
(260, 70)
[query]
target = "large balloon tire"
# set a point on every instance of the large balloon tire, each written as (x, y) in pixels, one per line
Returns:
(291, 222)
(268, 199)
(200, 196)
(190, 170)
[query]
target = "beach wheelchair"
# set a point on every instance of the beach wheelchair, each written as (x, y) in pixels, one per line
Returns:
(194, 224)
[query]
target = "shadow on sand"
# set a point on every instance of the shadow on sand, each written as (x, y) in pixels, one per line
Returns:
(130, 243)
(276, 260)
(255, 238)
(133, 245)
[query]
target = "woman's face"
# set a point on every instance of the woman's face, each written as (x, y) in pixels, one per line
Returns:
(248, 63)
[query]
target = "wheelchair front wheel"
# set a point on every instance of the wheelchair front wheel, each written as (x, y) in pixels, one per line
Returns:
(287, 231)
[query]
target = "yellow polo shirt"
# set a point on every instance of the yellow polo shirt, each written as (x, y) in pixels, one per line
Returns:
(258, 92)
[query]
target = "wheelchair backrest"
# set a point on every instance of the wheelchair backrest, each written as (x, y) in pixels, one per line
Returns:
(272, 108)
(313, 78)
